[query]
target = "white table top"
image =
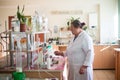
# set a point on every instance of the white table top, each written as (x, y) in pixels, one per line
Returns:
(117, 49)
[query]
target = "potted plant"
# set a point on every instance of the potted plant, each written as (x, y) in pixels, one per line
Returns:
(22, 19)
(72, 19)
(85, 28)
(69, 22)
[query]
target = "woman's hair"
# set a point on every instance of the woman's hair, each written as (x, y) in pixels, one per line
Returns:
(77, 24)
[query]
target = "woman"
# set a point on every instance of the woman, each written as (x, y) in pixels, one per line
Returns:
(80, 53)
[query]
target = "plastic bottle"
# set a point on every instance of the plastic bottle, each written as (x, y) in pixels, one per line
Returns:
(18, 58)
(49, 57)
(49, 61)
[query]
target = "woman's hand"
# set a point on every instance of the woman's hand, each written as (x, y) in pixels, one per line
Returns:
(58, 53)
(82, 69)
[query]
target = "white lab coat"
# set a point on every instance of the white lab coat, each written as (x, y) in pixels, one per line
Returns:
(80, 52)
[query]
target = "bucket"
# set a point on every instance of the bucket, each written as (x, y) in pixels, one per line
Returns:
(19, 76)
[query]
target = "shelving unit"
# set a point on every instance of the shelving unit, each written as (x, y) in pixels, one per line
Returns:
(18, 40)
(26, 42)
(65, 36)
(30, 73)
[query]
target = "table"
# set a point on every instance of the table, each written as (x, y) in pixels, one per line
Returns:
(42, 74)
(117, 63)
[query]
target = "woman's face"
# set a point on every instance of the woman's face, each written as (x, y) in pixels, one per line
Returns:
(74, 30)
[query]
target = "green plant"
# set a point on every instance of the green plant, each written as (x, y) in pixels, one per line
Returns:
(70, 20)
(84, 28)
(20, 15)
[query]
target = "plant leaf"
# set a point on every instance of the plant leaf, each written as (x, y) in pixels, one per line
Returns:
(18, 15)
(23, 8)
(85, 28)
(23, 19)
(18, 8)
(68, 23)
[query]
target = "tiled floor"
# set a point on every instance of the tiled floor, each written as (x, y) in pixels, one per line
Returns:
(104, 75)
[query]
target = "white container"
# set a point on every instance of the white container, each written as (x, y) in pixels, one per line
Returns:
(49, 62)
(18, 60)
(40, 58)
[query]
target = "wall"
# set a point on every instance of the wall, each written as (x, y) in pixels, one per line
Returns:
(104, 8)
(119, 18)
(108, 11)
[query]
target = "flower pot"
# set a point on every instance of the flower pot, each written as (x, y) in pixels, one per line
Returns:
(68, 28)
(22, 27)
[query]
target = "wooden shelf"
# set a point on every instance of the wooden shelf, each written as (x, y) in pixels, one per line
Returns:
(65, 37)
(39, 49)
(7, 70)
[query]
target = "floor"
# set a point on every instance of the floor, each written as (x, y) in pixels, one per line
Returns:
(104, 75)
(98, 75)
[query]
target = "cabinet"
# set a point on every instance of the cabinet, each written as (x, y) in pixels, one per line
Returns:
(0, 50)
(117, 63)
(62, 47)
(104, 57)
